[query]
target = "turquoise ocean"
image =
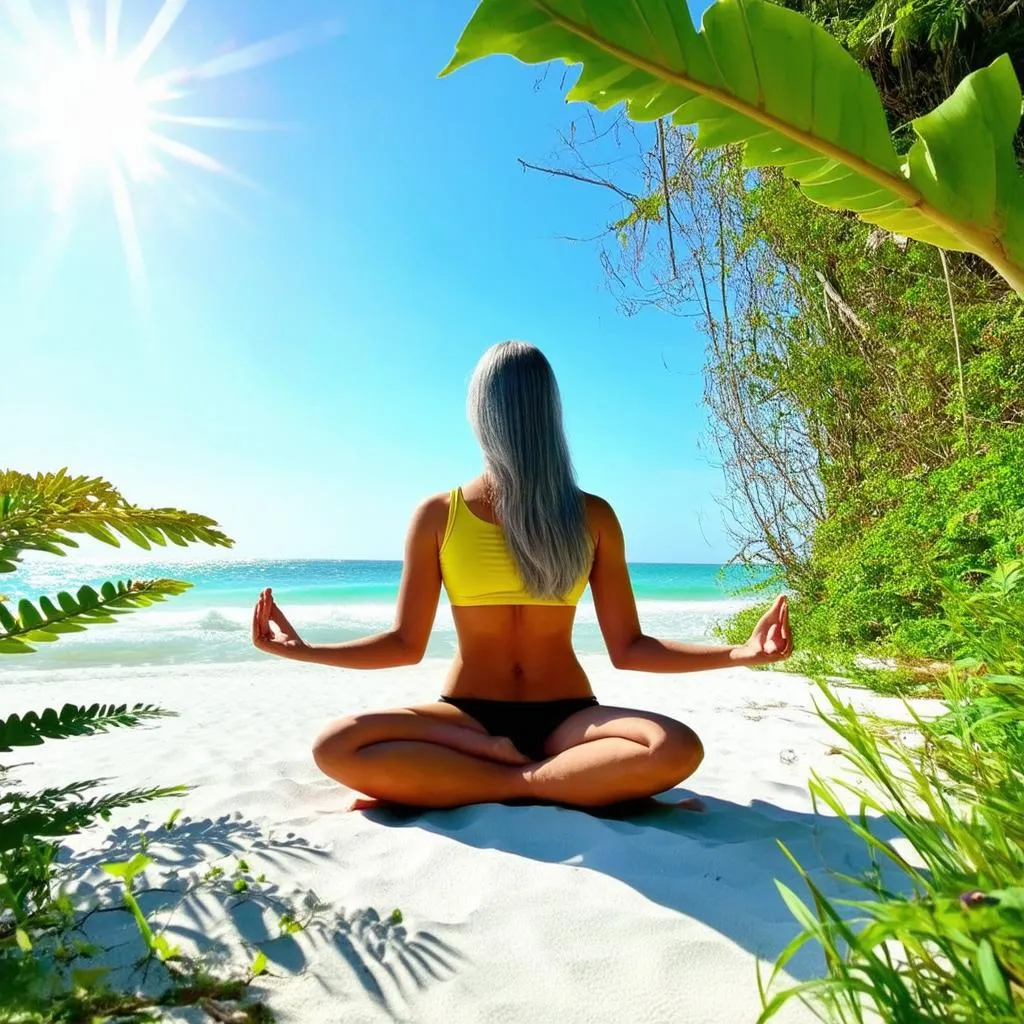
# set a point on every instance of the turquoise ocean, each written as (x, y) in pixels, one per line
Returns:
(326, 601)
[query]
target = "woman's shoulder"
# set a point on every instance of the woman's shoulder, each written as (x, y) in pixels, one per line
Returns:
(432, 510)
(599, 511)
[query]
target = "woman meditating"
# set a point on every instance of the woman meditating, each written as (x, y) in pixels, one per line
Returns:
(514, 549)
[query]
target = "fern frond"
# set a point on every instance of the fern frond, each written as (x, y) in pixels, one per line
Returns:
(54, 812)
(52, 796)
(73, 614)
(38, 512)
(73, 720)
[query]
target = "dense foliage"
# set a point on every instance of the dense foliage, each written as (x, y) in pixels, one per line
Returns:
(938, 933)
(916, 431)
(48, 972)
(917, 51)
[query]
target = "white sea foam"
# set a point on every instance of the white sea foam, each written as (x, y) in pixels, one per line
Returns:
(197, 634)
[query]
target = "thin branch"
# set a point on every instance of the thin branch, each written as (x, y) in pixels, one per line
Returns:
(559, 173)
(668, 200)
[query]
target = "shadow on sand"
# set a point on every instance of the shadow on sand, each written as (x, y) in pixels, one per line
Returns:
(718, 866)
(190, 894)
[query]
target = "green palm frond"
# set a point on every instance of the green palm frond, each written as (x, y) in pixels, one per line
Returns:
(37, 513)
(73, 614)
(73, 720)
(59, 812)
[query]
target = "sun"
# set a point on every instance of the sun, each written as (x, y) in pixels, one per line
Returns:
(85, 109)
(94, 115)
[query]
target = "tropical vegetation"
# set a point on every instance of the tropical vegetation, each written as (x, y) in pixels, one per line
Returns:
(48, 971)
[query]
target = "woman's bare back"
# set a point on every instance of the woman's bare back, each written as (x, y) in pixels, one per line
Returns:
(511, 652)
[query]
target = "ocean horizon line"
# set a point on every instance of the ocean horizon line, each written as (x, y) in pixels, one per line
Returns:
(136, 559)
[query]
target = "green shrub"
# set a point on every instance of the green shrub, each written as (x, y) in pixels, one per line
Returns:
(939, 934)
(41, 974)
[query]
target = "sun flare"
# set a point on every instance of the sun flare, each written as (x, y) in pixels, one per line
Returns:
(94, 116)
(85, 109)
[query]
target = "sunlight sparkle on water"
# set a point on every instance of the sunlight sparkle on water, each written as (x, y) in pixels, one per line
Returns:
(84, 107)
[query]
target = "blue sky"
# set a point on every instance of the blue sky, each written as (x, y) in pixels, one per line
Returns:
(298, 370)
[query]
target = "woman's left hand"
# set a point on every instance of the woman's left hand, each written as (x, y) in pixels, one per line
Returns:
(771, 639)
(271, 631)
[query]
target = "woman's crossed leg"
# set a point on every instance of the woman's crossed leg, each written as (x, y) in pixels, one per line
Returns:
(437, 756)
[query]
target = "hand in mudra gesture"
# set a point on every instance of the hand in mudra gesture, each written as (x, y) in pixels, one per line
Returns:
(771, 639)
(271, 631)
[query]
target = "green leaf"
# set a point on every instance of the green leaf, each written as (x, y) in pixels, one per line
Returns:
(7, 620)
(163, 948)
(23, 941)
(101, 533)
(990, 972)
(73, 720)
(69, 615)
(37, 513)
(10, 646)
(128, 869)
(772, 80)
(88, 978)
(797, 908)
(39, 636)
(30, 618)
(1010, 898)
(259, 964)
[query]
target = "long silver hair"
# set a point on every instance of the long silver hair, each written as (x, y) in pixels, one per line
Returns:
(516, 412)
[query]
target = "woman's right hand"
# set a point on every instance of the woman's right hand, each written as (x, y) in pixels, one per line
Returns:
(271, 631)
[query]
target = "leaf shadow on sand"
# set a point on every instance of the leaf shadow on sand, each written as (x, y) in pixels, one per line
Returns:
(391, 963)
(189, 894)
(693, 862)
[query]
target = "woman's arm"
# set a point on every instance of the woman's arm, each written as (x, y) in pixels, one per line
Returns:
(630, 648)
(406, 641)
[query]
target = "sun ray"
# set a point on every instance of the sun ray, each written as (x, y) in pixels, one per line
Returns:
(81, 28)
(197, 158)
(234, 124)
(26, 24)
(251, 56)
(154, 36)
(112, 26)
(79, 102)
(125, 214)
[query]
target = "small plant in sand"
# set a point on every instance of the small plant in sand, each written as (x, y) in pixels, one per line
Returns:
(40, 974)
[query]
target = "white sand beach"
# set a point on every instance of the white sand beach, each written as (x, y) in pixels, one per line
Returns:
(516, 915)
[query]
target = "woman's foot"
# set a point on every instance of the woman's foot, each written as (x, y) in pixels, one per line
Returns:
(504, 751)
(646, 805)
(366, 803)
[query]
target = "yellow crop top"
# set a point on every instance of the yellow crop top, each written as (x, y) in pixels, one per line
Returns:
(477, 567)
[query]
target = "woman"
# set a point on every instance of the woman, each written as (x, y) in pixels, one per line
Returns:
(514, 549)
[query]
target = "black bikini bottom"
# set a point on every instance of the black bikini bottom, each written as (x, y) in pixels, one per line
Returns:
(527, 723)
